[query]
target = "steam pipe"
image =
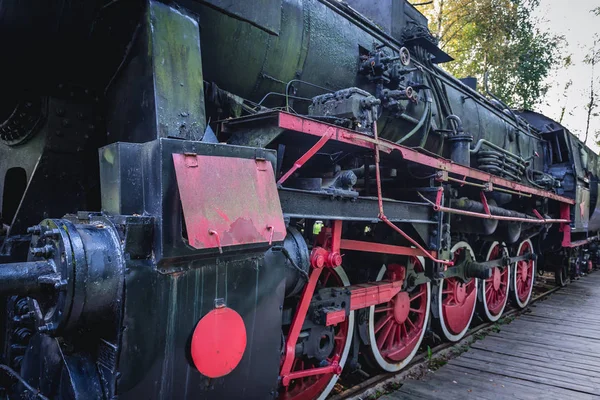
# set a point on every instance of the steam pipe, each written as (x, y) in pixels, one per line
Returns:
(425, 115)
(495, 147)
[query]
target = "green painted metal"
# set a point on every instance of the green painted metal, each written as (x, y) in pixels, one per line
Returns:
(177, 66)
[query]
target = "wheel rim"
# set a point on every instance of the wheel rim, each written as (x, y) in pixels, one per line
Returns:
(561, 276)
(524, 275)
(495, 289)
(319, 386)
(457, 300)
(396, 328)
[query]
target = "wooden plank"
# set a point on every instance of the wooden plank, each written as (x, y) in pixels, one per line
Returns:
(541, 330)
(406, 395)
(567, 360)
(533, 365)
(534, 326)
(476, 384)
(551, 340)
(423, 390)
(568, 317)
(499, 382)
(442, 388)
(549, 352)
(547, 379)
(528, 386)
(579, 351)
(565, 321)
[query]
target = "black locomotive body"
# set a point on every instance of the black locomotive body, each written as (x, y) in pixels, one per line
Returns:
(216, 199)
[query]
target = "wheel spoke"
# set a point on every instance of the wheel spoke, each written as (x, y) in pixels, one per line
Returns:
(399, 330)
(403, 330)
(381, 323)
(384, 334)
(390, 339)
(417, 296)
(408, 321)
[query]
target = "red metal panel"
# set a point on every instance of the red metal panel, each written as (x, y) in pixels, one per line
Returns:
(228, 201)
(305, 125)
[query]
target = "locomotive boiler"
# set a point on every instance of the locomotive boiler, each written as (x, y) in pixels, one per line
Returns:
(215, 199)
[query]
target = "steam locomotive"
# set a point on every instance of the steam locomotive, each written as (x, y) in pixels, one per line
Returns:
(217, 199)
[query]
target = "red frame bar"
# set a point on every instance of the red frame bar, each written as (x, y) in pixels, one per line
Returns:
(290, 346)
(565, 228)
(296, 327)
(484, 201)
(333, 368)
(366, 295)
(370, 247)
(370, 294)
(306, 156)
(537, 214)
(578, 243)
(315, 128)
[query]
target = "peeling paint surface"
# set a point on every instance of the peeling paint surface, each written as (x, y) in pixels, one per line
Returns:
(228, 201)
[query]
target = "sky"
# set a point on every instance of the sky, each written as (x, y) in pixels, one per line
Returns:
(573, 20)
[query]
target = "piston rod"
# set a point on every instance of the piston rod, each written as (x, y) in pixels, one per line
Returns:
(22, 278)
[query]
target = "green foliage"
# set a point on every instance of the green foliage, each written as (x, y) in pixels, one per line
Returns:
(592, 58)
(498, 37)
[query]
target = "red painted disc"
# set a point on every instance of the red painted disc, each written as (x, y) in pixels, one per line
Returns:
(218, 342)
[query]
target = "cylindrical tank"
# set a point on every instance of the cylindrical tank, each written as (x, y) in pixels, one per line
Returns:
(318, 43)
(253, 49)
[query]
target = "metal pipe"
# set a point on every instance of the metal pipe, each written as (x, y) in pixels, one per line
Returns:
(425, 115)
(481, 185)
(474, 214)
(481, 142)
(499, 217)
(476, 206)
(499, 171)
(22, 278)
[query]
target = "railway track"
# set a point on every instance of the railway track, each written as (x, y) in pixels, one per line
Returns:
(372, 385)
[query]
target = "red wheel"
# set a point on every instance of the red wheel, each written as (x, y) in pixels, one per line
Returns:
(456, 300)
(319, 386)
(523, 276)
(494, 290)
(396, 328)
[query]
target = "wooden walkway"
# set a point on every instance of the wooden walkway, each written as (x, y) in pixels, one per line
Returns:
(551, 353)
